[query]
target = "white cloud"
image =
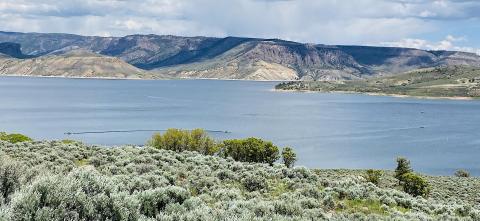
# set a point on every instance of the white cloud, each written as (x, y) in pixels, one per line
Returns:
(315, 21)
(446, 44)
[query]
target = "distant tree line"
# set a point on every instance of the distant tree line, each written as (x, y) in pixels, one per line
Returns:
(245, 150)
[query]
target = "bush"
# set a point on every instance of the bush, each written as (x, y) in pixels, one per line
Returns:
(81, 195)
(10, 179)
(184, 140)
(14, 138)
(289, 157)
(415, 185)
(254, 183)
(245, 150)
(69, 141)
(145, 183)
(153, 202)
(462, 173)
(250, 150)
(403, 167)
(373, 176)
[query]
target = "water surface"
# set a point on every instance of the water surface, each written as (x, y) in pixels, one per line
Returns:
(326, 130)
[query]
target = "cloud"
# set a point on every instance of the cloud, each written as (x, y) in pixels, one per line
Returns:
(448, 43)
(319, 21)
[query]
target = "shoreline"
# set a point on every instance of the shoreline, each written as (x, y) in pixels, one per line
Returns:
(273, 90)
(145, 79)
(379, 94)
(221, 79)
(73, 77)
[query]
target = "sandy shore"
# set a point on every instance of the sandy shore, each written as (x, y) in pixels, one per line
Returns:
(377, 94)
(73, 77)
(119, 78)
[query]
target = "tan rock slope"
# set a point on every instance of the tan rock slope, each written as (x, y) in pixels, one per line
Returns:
(77, 63)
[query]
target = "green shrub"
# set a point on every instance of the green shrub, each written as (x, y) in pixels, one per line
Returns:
(403, 167)
(254, 183)
(373, 176)
(184, 140)
(14, 138)
(10, 179)
(153, 202)
(245, 150)
(250, 150)
(289, 157)
(68, 141)
(415, 185)
(81, 195)
(462, 173)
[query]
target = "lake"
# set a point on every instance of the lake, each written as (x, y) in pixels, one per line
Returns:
(326, 130)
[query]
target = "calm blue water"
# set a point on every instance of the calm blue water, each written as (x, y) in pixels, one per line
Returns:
(326, 130)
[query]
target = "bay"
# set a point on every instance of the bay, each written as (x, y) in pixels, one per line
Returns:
(327, 130)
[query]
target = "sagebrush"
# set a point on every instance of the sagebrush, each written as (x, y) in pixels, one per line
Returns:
(46, 181)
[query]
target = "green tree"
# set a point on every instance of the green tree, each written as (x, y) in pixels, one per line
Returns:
(14, 138)
(415, 185)
(184, 140)
(289, 157)
(462, 173)
(403, 167)
(373, 176)
(234, 149)
(200, 141)
(250, 150)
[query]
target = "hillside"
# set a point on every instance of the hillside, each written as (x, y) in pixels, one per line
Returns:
(453, 81)
(77, 63)
(243, 58)
(12, 50)
(53, 180)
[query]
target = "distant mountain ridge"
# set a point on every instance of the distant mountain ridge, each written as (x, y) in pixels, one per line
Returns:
(241, 58)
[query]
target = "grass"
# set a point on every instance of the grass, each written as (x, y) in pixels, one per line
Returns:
(456, 81)
(278, 187)
(68, 141)
(362, 206)
(80, 163)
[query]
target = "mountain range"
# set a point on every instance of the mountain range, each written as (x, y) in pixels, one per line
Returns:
(166, 56)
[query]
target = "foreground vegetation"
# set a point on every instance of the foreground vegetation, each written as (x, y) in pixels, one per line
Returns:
(455, 81)
(55, 180)
(251, 149)
(14, 138)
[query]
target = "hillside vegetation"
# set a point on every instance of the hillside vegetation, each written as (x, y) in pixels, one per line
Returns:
(455, 81)
(68, 180)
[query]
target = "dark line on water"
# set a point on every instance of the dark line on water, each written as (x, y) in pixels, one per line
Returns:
(133, 131)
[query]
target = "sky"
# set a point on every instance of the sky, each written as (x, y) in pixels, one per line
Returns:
(425, 24)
